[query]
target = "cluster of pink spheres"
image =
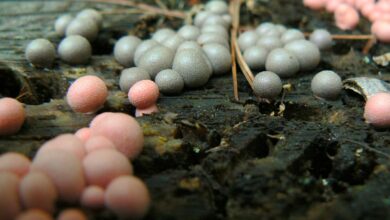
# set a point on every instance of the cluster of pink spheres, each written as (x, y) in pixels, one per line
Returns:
(90, 168)
(347, 13)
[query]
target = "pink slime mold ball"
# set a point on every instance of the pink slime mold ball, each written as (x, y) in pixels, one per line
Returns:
(12, 116)
(87, 94)
(93, 197)
(15, 163)
(83, 134)
(377, 110)
(359, 4)
(331, 5)
(143, 94)
(315, 4)
(346, 17)
(381, 30)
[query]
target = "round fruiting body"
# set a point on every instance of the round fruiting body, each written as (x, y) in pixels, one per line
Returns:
(9, 190)
(217, 7)
(306, 52)
(215, 29)
(156, 59)
(269, 43)
(163, 34)
(62, 23)
(130, 76)
(142, 48)
(124, 50)
(193, 66)
(75, 49)
(377, 110)
(72, 214)
(247, 39)
(264, 27)
(87, 94)
(255, 57)
(282, 62)
(189, 45)
(93, 197)
(15, 163)
(91, 14)
(219, 57)
(267, 85)
(65, 142)
(322, 38)
(200, 18)
(143, 93)
(83, 134)
(381, 30)
(97, 143)
(40, 53)
(189, 32)
(34, 214)
(85, 27)
(346, 17)
(173, 42)
(214, 19)
(315, 4)
(327, 85)
(169, 82)
(207, 38)
(12, 116)
(122, 130)
(291, 35)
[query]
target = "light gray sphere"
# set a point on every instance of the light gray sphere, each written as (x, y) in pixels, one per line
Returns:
(264, 28)
(62, 23)
(326, 84)
(291, 35)
(189, 45)
(247, 39)
(130, 76)
(169, 82)
(124, 50)
(269, 43)
(282, 62)
(217, 7)
(227, 18)
(40, 52)
(215, 29)
(75, 49)
(142, 48)
(267, 85)
(322, 38)
(92, 14)
(173, 42)
(193, 66)
(219, 58)
(156, 59)
(85, 27)
(274, 32)
(163, 34)
(216, 20)
(255, 57)
(308, 54)
(212, 38)
(189, 32)
(280, 28)
(200, 17)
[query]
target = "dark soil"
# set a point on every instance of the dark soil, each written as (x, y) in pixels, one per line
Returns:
(207, 156)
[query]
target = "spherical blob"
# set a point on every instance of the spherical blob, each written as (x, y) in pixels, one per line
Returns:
(130, 76)
(269, 43)
(85, 27)
(200, 18)
(72, 214)
(65, 142)
(322, 38)
(12, 116)
(75, 49)
(87, 94)
(189, 45)
(247, 39)
(156, 59)
(93, 197)
(122, 129)
(142, 48)
(282, 62)
(219, 58)
(127, 196)
(83, 134)
(65, 170)
(173, 42)
(255, 57)
(9, 191)
(193, 66)
(308, 54)
(98, 143)
(37, 191)
(264, 27)
(267, 85)
(327, 85)
(206, 38)
(217, 7)
(15, 163)
(346, 17)
(40, 52)
(143, 93)
(62, 23)
(163, 34)
(34, 214)
(91, 14)
(189, 32)
(215, 29)
(315, 4)
(381, 30)
(291, 35)
(124, 50)
(377, 110)
(169, 82)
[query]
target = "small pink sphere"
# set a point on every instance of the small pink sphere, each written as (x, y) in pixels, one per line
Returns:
(34, 214)
(9, 192)
(383, 6)
(87, 94)
(12, 116)
(66, 142)
(315, 4)
(346, 17)
(146, 111)
(98, 143)
(331, 5)
(377, 110)
(375, 15)
(127, 196)
(37, 191)
(102, 166)
(122, 129)
(359, 4)
(93, 197)
(65, 170)
(83, 134)
(15, 163)
(72, 214)
(143, 94)
(381, 30)
(367, 9)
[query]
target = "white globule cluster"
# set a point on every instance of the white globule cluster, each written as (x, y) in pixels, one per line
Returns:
(194, 52)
